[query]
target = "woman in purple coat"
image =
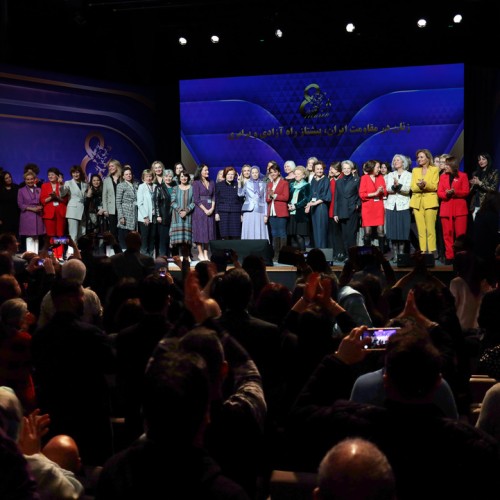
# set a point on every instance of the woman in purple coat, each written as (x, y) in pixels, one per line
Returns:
(30, 221)
(203, 215)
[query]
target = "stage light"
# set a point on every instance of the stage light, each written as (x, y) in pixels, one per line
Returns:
(214, 39)
(422, 23)
(457, 18)
(182, 41)
(350, 28)
(278, 33)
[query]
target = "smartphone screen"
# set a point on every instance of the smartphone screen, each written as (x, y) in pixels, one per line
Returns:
(379, 336)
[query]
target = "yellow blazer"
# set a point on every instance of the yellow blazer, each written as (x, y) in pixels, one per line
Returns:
(426, 198)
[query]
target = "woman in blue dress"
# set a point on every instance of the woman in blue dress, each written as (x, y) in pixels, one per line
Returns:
(254, 225)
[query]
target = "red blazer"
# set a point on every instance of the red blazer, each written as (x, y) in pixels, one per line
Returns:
(49, 210)
(372, 209)
(282, 196)
(457, 204)
(332, 191)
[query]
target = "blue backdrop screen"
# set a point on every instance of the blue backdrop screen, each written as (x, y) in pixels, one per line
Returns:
(355, 114)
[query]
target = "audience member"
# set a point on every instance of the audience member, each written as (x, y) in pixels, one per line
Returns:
(453, 458)
(16, 365)
(134, 346)
(52, 478)
(170, 457)
(74, 269)
(132, 262)
(355, 469)
(71, 359)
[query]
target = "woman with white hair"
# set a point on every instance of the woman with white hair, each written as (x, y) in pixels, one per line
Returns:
(289, 168)
(74, 269)
(397, 205)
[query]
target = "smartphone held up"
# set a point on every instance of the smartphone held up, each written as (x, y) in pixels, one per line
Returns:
(379, 336)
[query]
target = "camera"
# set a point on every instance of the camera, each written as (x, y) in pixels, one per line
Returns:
(59, 240)
(40, 262)
(379, 336)
(365, 250)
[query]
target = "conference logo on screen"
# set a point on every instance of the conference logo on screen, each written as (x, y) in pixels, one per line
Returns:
(316, 103)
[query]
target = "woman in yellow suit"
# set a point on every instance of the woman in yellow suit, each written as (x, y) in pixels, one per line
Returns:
(424, 200)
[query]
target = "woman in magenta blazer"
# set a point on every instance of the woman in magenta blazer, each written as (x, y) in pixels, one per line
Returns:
(453, 190)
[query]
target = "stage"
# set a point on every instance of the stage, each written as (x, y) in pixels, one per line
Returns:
(287, 274)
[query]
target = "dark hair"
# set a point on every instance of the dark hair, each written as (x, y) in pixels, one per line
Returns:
(452, 162)
(77, 168)
(236, 289)
(369, 166)
(273, 303)
(488, 158)
(3, 174)
(197, 174)
(54, 170)
(185, 174)
(154, 292)
(33, 167)
(274, 168)
(92, 178)
(175, 394)
(412, 363)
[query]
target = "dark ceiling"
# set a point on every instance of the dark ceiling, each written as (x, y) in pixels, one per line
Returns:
(136, 40)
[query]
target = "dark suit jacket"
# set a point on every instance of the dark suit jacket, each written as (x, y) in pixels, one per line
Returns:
(132, 264)
(346, 196)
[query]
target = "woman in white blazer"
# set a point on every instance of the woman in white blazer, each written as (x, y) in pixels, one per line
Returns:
(146, 216)
(75, 213)
(397, 205)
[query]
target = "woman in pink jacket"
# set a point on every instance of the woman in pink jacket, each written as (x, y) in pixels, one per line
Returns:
(453, 190)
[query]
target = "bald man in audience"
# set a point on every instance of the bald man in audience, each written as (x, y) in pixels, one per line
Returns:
(355, 469)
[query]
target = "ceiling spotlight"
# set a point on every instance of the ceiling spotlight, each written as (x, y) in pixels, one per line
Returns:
(350, 28)
(457, 19)
(182, 41)
(214, 39)
(422, 23)
(278, 33)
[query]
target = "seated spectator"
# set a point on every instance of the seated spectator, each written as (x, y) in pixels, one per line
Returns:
(489, 415)
(71, 359)
(370, 388)
(16, 364)
(52, 478)
(170, 457)
(235, 435)
(355, 469)
(261, 339)
(74, 269)
(135, 345)
(453, 459)
(132, 262)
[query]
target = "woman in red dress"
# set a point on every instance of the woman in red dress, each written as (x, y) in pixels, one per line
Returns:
(372, 191)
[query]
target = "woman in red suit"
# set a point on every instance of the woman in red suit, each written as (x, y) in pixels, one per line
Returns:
(54, 207)
(277, 195)
(372, 191)
(453, 189)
